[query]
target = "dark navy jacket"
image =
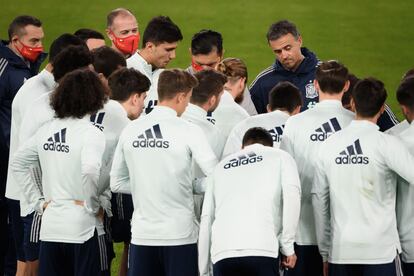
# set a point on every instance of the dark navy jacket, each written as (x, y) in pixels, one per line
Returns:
(13, 72)
(303, 78)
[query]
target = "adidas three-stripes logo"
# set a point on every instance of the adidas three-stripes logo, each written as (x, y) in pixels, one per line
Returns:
(324, 131)
(57, 142)
(352, 155)
(277, 133)
(151, 138)
(244, 159)
(97, 120)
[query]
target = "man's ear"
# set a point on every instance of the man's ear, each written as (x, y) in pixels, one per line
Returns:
(316, 85)
(268, 108)
(346, 86)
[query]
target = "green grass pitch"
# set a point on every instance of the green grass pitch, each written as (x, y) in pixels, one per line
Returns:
(372, 38)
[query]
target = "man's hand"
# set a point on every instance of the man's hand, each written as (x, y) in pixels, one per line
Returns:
(100, 214)
(325, 269)
(289, 261)
(45, 205)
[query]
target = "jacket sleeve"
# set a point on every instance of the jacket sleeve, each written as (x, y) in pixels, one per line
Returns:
(91, 160)
(207, 218)
(120, 181)
(321, 209)
(387, 119)
(256, 92)
(291, 192)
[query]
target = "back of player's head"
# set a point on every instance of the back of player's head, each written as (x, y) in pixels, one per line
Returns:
(79, 93)
(106, 60)
(174, 81)
(282, 28)
(17, 26)
(127, 81)
(206, 41)
(233, 68)
(115, 13)
(61, 43)
(257, 135)
(331, 76)
(71, 58)
(284, 96)
(405, 93)
(161, 29)
(86, 34)
(369, 96)
(210, 83)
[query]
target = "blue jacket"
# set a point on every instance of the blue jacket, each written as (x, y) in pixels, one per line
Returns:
(13, 72)
(303, 78)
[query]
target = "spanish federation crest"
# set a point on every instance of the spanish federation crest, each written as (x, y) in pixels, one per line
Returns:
(311, 91)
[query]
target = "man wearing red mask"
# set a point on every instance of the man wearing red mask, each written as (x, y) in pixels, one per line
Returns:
(122, 30)
(20, 59)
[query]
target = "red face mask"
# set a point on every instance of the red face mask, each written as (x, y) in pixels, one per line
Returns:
(196, 67)
(127, 45)
(30, 53)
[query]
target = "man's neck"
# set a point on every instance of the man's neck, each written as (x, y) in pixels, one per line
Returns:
(171, 104)
(329, 96)
(144, 53)
(14, 50)
(369, 119)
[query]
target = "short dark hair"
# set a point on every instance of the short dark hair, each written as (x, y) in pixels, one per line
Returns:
(233, 68)
(18, 24)
(106, 60)
(173, 81)
(210, 83)
(161, 29)
(331, 76)
(86, 34)
(282, 28)
(127, 81)
(60, 43)
(69, 59)
(369, 96)
(80, 92)
(346, 97)
(114, 13)
(257, 135)
(285, 96)
(409, 74)
(206, 41)
(405, 93)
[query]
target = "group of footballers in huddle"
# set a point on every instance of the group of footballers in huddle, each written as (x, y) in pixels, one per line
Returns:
(305, 173)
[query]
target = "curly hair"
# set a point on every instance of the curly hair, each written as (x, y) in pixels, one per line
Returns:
(79, 93)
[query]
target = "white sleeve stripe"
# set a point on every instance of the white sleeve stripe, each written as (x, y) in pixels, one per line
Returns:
(391, 114)
(261, 74)
(3, 66)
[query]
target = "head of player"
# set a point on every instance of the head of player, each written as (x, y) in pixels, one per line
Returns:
(92, 38)
(368, 99)
(206, 50)
(25, 37)
(159, 41)
(122, 30)
(285, 97)
(331, 80)
(236, 71)
(405, 97)
(285, 41)
(106, 61)
(70, 59)
(129, 87)
(175, 88)
(208, 92)
(257, 135)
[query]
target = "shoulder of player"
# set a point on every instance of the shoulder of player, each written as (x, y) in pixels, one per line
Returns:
(264, 76)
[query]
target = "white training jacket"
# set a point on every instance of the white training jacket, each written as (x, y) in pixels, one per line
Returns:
(227, 114)
(111, 120)
(354, 194)
(398, 128)
(25, 98)
(251, 206)
(137, 62)
(273, 121)
(302, 136)
(153, 162)
(405, 204)
(70, 154)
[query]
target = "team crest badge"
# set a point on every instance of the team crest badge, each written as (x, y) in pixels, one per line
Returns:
(311, 91)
